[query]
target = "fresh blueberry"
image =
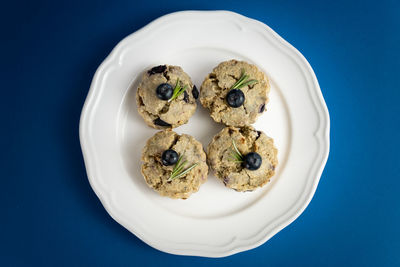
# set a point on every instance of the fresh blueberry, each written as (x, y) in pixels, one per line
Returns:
(164, 91)
(235, 98)
(169, 157)
(252, 161)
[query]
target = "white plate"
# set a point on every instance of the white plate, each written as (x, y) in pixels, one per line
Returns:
(215, 221)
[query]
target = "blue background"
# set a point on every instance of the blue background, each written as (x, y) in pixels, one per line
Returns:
(49, 53)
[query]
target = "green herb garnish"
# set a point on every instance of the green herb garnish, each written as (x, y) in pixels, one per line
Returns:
(178, 170)
(243, 81)
(178, 90)
(236, 155)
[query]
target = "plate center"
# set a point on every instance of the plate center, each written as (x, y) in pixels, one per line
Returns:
(213, 199)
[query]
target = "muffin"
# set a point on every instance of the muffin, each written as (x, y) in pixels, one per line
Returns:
(174, 165)
(242, 158)
(166, 97)
(235, 93)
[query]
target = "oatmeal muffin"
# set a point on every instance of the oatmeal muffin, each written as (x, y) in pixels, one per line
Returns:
(174, 165)
(166, 97)
(242, 158)
(235, 93)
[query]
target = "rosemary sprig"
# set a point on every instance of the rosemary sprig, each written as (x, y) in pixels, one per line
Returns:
(243, 81)
(236, 155)
(178, 90)
(178, 170)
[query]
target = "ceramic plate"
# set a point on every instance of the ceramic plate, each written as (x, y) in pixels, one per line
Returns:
(215, 221)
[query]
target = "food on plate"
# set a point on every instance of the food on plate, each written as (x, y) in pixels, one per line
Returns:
(166, 97)
(242, 158)
(235, 93)
(174, 165)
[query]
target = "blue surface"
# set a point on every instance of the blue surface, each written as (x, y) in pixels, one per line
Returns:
(49, 53)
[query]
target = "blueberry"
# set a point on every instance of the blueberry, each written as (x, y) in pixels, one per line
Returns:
(164, 91)
(185, 96)
(160, 122)
(262, 108)
(195, 92)
(157, 69)
(169, 157)
(252, 161)
(235, 98)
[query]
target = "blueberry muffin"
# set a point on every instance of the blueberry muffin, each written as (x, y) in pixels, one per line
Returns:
(242, 158)
(166, 97)
(174, 165)
(235, 93)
